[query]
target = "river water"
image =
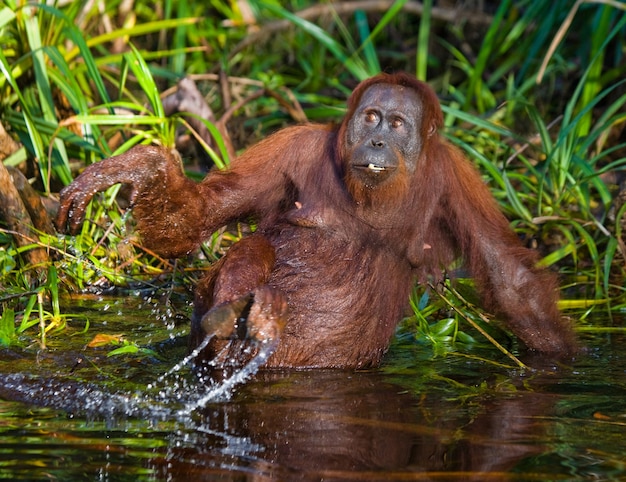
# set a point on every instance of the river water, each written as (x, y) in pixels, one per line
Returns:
(71, 412)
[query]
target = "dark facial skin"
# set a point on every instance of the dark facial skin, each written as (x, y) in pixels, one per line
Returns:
(384, 132)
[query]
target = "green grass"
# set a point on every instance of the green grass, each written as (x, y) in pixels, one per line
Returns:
(534, 96)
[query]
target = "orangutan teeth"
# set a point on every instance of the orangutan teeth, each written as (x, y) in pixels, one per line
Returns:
(373, 167)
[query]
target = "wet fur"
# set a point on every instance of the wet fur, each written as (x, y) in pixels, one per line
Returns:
(344, 255)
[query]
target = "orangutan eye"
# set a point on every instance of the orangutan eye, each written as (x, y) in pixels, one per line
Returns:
(397, 122)
(371, 117)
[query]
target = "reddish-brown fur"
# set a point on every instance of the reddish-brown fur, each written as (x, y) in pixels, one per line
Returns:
(340, 257)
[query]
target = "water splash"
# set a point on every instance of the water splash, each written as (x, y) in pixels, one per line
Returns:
(224, 389)
(173, 396)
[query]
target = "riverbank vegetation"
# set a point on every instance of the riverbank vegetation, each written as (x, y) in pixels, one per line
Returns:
(534, 92)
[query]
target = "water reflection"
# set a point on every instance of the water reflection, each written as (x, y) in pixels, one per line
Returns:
(449, 418)
(358, 426)
(331, 425)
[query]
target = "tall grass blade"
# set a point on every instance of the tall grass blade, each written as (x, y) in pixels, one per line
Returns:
(488, 46)
(7, 15)
(355, 67)
(367, 46)
(423, 37)
(59, 159)
(34, 139)
(143, 75)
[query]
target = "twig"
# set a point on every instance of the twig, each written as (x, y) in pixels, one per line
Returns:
(491, 339)
(565, 26)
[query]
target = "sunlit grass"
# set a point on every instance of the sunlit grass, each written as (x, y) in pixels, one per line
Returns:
(538, 123)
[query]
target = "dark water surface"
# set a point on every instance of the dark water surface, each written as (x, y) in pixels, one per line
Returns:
(77, 414)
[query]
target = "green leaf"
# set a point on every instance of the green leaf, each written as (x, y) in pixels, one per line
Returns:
(444, 327)
(6, 16)
(128, 349)
(7, 327)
